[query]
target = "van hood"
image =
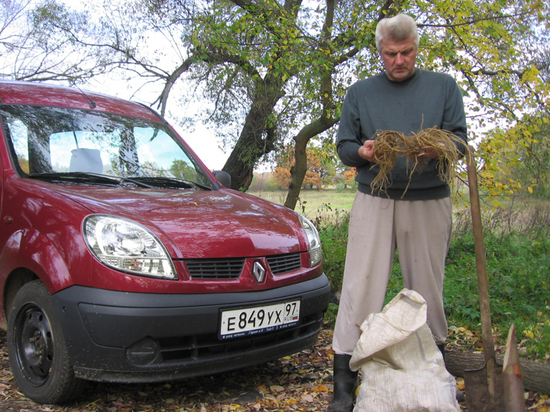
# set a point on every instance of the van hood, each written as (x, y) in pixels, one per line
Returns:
(201, 223)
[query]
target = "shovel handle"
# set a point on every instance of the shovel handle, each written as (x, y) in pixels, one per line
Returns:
(482, 282)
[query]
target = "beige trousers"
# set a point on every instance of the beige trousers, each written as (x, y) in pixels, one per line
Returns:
(421, 232)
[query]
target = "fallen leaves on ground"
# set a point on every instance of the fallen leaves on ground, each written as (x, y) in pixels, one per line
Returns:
(301, 382)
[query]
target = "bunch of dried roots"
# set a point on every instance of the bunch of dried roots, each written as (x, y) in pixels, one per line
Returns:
(389, 145)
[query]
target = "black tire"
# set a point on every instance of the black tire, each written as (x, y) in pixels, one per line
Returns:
(37, 351)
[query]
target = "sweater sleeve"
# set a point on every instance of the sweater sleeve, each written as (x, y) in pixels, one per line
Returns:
(454, 119)
(349, 132)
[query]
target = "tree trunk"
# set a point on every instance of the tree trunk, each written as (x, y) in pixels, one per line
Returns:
(258, 135)
(536, 375)
(324, 122)
(298, 171)
(252, 144)
(257, 138)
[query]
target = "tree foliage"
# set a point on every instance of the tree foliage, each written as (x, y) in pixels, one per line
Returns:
(533, 167)
(276, 71)
(516, 159)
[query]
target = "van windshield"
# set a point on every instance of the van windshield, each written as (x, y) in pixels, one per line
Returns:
(89, 147)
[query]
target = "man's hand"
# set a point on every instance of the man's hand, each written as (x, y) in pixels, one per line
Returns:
(433, 152)
(367, 150)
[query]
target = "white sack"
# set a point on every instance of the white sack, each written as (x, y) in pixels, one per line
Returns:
(401, 366)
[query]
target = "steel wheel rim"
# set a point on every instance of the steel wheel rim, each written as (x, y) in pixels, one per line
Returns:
(34, 345)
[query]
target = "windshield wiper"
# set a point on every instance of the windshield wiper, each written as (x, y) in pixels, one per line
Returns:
(170, 183)
(85, 177)
(75, 177)
(149, 182)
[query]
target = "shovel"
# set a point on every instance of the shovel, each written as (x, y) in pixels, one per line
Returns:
(484, 389)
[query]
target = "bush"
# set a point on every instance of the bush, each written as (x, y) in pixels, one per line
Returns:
(334, 238)
(519, 288)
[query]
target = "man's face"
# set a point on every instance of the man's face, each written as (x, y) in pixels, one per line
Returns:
(399, 58)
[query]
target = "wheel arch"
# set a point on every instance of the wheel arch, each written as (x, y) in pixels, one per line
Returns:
(15, 281)
(26, 256)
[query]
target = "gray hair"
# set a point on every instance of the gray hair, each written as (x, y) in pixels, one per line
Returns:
(400, 27)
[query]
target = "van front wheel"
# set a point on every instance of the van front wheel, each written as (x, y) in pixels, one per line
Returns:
(36, 346)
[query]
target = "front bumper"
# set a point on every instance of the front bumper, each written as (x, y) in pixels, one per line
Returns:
(107, 331)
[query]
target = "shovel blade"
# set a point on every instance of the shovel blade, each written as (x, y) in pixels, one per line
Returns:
(512, 376)
(478, 393)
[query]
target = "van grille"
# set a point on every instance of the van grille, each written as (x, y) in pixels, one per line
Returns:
(231, 268)
(284, 263)
(215, 268)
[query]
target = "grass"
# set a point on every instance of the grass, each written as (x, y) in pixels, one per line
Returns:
(519, 288)
(315, 204)
(517, 245)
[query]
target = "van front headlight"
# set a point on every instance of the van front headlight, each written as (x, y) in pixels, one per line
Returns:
(127, 246)
(314, 241)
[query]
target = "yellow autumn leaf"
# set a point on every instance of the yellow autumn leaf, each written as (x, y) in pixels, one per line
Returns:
(320, 388)
(465, 331)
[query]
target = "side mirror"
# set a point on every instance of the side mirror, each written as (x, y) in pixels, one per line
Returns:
(223, 177)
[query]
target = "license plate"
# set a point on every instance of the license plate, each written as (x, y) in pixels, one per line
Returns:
(260, 319)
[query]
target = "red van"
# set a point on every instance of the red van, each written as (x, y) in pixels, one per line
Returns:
(123, 259)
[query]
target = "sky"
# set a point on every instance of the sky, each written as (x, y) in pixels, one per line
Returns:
(205, 144)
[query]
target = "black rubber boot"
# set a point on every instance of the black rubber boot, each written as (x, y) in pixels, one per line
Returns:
(345, 381)
(441, 348)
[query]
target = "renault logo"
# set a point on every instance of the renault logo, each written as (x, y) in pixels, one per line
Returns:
(259, 272)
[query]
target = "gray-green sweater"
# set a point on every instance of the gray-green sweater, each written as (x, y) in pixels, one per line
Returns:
(424, 100)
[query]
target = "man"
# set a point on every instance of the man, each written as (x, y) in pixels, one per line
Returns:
(413, 215)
